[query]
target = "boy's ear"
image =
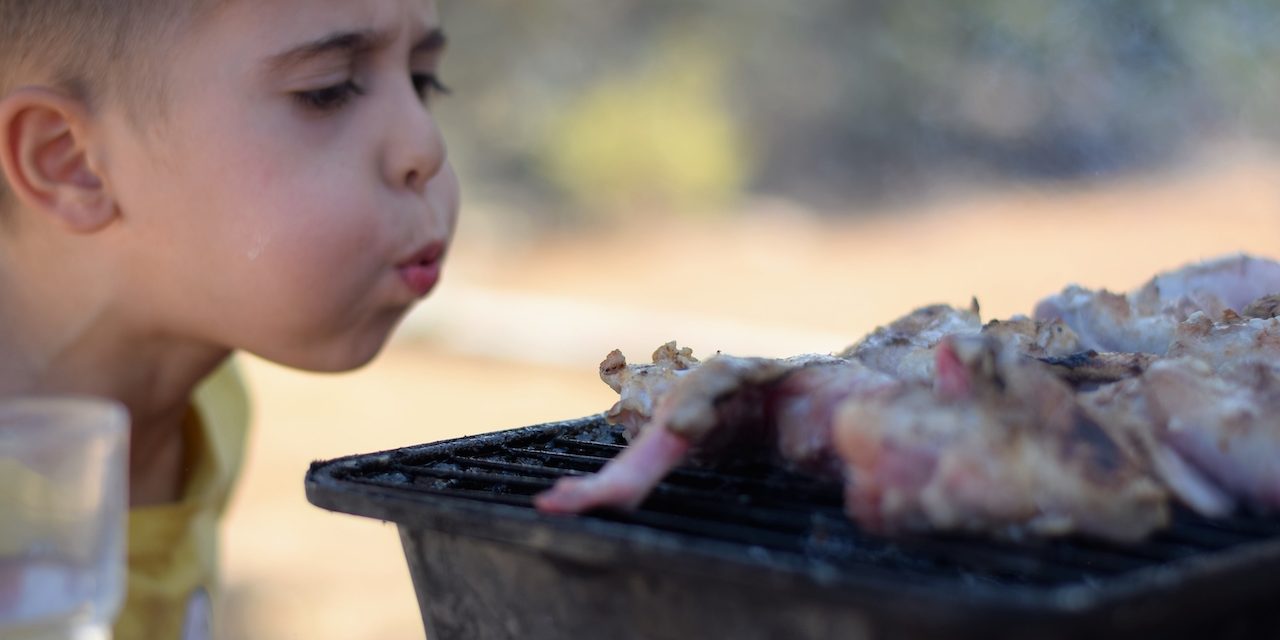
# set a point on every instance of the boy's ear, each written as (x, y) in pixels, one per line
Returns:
(43, 152)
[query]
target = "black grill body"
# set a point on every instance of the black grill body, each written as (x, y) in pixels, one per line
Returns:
(746, 550)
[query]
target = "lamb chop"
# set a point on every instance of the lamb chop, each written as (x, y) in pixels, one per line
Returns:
(938, 422)
(994, 444)
(790, 407)
(997, 445)
(677, 405)
(781, 406)
(1225, 425)
(1124, 409)
(1053, 343)
(1039, 339)
(904, 348)
(1145, 319)
(1263, 308)
(640, 386)
(1205, 417)
(726, 403)
(1232, 339)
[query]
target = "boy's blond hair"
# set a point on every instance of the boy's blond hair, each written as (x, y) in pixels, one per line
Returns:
(97, 51)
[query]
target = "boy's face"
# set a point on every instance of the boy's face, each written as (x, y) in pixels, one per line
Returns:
(295, 200)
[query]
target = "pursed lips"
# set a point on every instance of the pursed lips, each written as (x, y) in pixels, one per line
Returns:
(421, 271)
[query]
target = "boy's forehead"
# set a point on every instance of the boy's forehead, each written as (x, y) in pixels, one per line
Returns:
(277, 22)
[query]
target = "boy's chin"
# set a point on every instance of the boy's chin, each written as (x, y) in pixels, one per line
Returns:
(330, 358)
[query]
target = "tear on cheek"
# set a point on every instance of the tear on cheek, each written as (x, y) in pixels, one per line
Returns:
(257, 246)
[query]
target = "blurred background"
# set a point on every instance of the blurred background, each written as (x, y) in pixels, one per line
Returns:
(761, 178)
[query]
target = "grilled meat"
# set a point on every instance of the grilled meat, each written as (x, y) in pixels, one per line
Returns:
(1212, 433)
(1202, 413)
(1124, 408)
(1038, 339)
(1263, 308)
(904, 348)
(1225, 425)
(997, 445)
(784, 406)
(980, 417)
(725, 403)
(1233, 339)
(1145, 320)
(1053, 343)
(1075, 421)
(804, 406)
(640, 386)
(1089, 369)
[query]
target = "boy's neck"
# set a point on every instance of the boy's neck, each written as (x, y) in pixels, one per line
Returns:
(156, 390)
(59, 334)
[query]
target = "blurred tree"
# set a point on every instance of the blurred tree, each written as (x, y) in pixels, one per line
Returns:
(656, 136)
(829, 101)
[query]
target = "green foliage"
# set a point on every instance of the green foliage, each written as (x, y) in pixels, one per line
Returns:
(659, 136)
(683, 103)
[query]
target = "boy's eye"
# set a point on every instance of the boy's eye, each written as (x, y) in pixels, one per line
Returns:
(426, 84)
(329, 98)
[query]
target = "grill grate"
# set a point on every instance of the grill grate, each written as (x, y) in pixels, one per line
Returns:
(767, 510)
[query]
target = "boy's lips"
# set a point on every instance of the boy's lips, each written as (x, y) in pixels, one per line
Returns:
(421, 271)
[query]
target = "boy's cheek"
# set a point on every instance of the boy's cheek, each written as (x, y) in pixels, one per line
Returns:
(445, 193)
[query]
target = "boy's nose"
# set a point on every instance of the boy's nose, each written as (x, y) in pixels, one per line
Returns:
(417, 150)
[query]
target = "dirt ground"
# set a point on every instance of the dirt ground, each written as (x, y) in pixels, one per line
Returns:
(514, 334)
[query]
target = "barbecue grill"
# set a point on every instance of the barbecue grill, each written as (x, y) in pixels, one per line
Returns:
(747, 550)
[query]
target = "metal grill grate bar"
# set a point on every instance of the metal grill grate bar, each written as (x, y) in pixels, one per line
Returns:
(768, 508)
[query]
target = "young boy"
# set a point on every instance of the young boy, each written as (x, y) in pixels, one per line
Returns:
(187, 178)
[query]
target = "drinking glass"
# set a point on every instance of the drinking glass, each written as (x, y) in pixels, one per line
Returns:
(63, 501)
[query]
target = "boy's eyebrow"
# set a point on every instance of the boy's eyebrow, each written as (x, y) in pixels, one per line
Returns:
(352, 43)
(433, 41)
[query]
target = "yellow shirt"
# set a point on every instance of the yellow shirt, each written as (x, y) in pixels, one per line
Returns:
(172, 548)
